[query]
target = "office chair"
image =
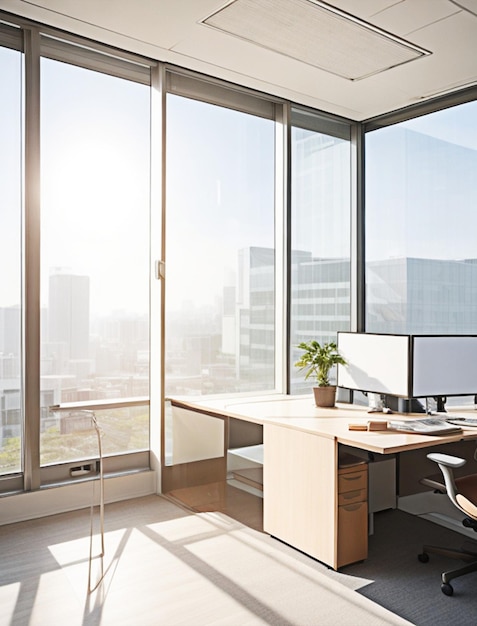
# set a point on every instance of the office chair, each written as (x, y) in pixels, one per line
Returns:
(463, 494)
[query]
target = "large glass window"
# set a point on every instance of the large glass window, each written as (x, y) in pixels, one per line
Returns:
(94, 257)
(421, 219)
(220, 258)
(11, 421)
(320, 233)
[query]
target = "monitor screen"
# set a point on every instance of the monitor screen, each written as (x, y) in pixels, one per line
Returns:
(375, 363)
(409, 366)
(444, 366)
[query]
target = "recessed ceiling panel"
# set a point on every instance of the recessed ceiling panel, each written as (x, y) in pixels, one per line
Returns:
(315, 33)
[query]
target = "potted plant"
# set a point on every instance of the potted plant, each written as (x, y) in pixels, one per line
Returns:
(317, 360)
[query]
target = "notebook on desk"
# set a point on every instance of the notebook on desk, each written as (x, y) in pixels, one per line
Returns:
(425, 426)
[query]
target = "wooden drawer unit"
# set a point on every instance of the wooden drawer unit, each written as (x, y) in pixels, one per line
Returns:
(352, 514)
(351, 497)
(351, 479)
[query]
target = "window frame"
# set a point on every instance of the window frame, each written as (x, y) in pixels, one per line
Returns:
(206, 89)
(11, 37)
(37, 42)
(342, 128)
(414, 111)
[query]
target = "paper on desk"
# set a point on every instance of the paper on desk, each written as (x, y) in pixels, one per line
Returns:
(424, 426)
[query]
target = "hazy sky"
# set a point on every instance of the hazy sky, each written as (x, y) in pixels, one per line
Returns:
(420, 187)
(95, 183)
(10, 176)
(220, 196)
(220, 187)
(95, 189)
(456, 125)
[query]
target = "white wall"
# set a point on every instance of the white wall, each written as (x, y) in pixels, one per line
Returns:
(52, 500)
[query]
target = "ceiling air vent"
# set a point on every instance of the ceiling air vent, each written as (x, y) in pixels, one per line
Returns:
(315, 33)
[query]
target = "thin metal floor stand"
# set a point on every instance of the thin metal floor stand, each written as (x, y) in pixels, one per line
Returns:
(101, 511)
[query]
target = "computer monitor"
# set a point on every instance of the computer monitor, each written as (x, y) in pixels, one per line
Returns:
(408, 366)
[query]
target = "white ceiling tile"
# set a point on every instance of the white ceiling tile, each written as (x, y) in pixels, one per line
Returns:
(408, 16)
(170, 30)
(314, 33)
(364, 9)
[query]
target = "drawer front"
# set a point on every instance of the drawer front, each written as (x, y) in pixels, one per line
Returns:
(351, 497)
(352, 533)
(352, 481)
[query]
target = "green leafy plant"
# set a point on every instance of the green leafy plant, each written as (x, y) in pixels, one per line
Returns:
(317, 360)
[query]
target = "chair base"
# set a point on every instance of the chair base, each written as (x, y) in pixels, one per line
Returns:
(470, 557)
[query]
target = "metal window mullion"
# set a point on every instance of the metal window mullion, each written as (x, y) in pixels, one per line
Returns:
(31, 272)
(357, 222)
(319, 122)
(282, 256)
(11, 37)
(438, 103)
(214, 91)
(157, 401)
(74, 54)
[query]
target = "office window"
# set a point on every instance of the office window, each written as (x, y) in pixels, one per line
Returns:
(94, 257)
(421, 250)
(11, 131)
(320, 233)
(220, 257)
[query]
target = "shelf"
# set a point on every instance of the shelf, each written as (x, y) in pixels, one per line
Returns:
(250, 453)
(252, 476)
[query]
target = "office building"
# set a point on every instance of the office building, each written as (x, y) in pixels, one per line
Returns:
(223, 180)
(422, 296)
(68, 314)
(10, 370)
(10, 323)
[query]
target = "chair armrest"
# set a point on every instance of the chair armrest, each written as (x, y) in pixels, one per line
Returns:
(446, 459)
(447, 464)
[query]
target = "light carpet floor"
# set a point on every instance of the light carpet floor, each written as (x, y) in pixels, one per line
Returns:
(166, 566)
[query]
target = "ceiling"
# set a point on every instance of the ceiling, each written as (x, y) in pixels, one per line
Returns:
(295, 49)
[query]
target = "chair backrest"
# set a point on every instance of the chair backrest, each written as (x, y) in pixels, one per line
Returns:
(447, 464)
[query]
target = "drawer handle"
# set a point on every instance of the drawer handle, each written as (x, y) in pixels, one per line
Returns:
(351, 494)
(352, 507)
(358, 477)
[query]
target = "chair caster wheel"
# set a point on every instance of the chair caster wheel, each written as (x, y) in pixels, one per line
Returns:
(469, 523)
(447, 589)
(424, 557)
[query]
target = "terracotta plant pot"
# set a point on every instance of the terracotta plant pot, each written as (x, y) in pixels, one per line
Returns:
(325, 396)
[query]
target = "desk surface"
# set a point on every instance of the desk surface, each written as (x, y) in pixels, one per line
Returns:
(300, 413)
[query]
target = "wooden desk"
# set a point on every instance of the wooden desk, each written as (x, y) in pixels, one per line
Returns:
(301, 463)
(300, 413)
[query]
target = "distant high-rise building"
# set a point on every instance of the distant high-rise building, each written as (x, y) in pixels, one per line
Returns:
(228, 320)
(255, 316)
(10, 371)
(10, 324)
(422, 296)
(68, 314)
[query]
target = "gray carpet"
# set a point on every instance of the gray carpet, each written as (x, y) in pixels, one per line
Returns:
(170, 567)
(166, 567)
(410, 588)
